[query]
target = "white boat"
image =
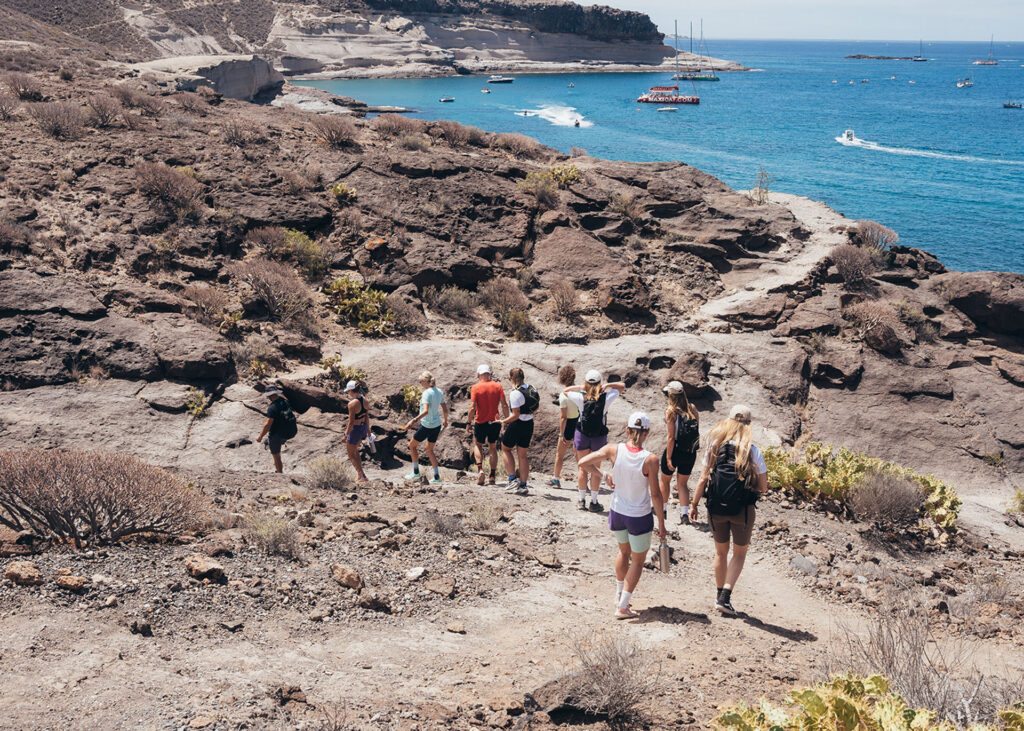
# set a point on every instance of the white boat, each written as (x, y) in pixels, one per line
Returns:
(988, 61)
(496, 79)
(571, 85)
(668, 109)
(446, 99)
(847, 138)
(485, 91)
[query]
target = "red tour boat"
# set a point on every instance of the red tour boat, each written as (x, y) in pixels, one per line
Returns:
(666, 95)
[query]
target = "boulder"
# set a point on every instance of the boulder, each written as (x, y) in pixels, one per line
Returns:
(188, 350)
(23, 292)
(883, 338)
(629, 296)
(369, 599)
(994, 300)
(691, 369)
(23, 573)
(781, 366)
(164, 396)
(72, 583)
(759, 314)
(346, 576)
(202, 567)
(837, 367)
(303, 396)
(442, 585)
(560, 255)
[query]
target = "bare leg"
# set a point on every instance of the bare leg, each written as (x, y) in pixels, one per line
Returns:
(683, 488)
(357, 462)
(721, 561)
(581, 478)
(622, 562)
(510, 463)
(494, 457)
(563, 447)
(414, 454)
(478, 454)
(666, 488)
(732, 574)
(278, 466)
(636, 567)
(524, 464)
(431, 456)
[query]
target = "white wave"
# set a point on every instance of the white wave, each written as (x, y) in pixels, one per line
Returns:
(557, 115)
(869, 145)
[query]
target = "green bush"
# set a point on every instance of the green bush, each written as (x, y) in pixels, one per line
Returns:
(344, 193)
(364, 307)
(565, 175)
(339, 371)
(542, 187)
(849, 703)
(310, 254)
(829, 474)
(1016, 502)
(196, 402)
(411, 395)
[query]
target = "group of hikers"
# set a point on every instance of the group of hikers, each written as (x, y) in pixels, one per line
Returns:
(733, 474)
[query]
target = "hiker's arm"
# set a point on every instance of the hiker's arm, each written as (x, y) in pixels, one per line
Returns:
(617, 386)
(418, 417)
(670, 445)
(762, 483)
(699, 492)
(266, 428)
(514, 416)
(444, 408)
(592, 462)
(471, 417)
(504, 407)
(571, 389)
(651, 467)
(562, 419)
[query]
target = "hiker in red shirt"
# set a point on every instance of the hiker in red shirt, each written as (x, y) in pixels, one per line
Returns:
(485, 398)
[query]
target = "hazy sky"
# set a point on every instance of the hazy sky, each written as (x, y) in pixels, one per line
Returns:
(937, 20)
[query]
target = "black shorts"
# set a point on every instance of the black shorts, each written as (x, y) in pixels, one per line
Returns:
(518, 434)
(682, 461)
(487, 433)
(570, 429)
(275, 442)
(426, 434)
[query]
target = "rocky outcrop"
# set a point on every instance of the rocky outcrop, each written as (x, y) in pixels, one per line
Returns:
(234, 77)
(993, 300)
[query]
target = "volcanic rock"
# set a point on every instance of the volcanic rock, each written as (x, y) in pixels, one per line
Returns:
(202, 567)
(23, 573)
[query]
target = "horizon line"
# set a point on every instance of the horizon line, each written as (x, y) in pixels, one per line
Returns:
(837, 40)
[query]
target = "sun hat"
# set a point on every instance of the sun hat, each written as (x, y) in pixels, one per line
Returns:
(351, 386)
(740, 413)
(482, 369)
(673, 387)
(638, 420)
(593, 376)
(272, 391)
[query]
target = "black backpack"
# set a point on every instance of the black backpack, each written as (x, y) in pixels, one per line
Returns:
(687, 434)
(591, 421)
(532, 399)
(289, 426)
(727, 493)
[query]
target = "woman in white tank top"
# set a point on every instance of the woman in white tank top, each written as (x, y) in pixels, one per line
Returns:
(636, 500)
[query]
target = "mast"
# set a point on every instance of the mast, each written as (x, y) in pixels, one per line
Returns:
(677, 46)
(691, 37)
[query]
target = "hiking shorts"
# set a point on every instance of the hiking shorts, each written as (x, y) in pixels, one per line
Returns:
(741, 526)
(275, 442)
(487, 433)
(359, 433)
(636, 532)
(518, 434)
(426, 434)
(592, 444)
(682, 461)
(570, 429)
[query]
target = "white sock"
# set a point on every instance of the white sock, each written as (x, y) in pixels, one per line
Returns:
(618, 589)
(624, 599)
(593, 497)
(583, 494)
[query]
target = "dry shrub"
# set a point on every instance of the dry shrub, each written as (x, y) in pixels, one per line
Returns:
(420, 143)
(272, 535)
(395, 125)
(8, 106)
(577, 152)
(451, 301)
(65, 74)
(867, 316)
(103, 110)
(940, 673)
(875, 236)
(503, 293)
(23, 86)
(14, 237)
(131, 98)
(458, 135)
(191, 103)
(269, 240)
(482, 517)
(208, 305)
(517, 323)
(615, 676)
(543, 188)
(565, 298)
(407, 318)
(170, 186)
(240, 133)
(626, 205)
(443, 524)
(276, 286)
(886, 498)
(91, 497)
(295, 182)
(334, 130)
(328, 473)
(62, 120)
(256, 349)
(853, 263)
(518, 145)
(913, 317)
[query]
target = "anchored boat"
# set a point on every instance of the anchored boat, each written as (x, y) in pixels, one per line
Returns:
(988, 61)
(1012, 105)
(700, 74)
(496, 79)
(669, 94)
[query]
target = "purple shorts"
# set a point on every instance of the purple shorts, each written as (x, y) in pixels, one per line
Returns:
(633, 526)
(359, 433)
(582, 441)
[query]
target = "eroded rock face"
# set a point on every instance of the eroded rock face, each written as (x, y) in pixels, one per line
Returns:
(994, 300)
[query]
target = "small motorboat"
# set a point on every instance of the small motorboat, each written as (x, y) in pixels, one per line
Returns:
(892, 78)
(852, 81)
(571, 85)
(1013, 105)
(496, 79)
(912, 81)
(485, 91)
(446, 99)
(961, 83)
(847, 138)
(864, 81)
(834, 81)
(668, 109)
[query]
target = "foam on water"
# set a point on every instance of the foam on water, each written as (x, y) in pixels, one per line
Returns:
(559, 116)
(875, 146)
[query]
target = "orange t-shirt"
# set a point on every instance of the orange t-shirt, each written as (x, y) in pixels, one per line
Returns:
(486, 395)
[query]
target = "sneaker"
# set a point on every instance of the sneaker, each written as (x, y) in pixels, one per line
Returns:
(513, 484)
(684, 518)
(480, 477)
(725, 606)
(412, 476)
(522, 489)
(555, 482)
(435, 480)
(583, 506)
(492, 480)
(595, 507)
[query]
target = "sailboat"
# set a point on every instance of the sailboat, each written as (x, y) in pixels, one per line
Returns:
(667, 95)
(988, 61)
(700, 74)
(920, 53)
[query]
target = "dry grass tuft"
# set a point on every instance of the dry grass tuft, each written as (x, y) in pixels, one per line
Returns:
(328, 473)
(273, 536)
(277, 287)
(448, 526)
(853, 263)
(335, 130)
(886, 498)
(615, 677)
(565, 298)
(61, 120)
(395, 125)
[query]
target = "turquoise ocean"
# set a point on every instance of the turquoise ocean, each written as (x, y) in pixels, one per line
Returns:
(943, 166)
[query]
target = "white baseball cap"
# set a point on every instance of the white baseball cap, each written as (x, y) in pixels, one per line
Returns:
(272, 391)
(638, 420)
(351, 386)
(673, 387)
(593, 376)
(740, 413)
(482, 369)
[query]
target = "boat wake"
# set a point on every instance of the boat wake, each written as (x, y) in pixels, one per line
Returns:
(916, 152)
(557, 115)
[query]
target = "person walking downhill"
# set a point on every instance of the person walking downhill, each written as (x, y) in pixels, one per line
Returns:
(592, 399)
(735, 476)
(431, 421)
(636, 500)
(681, 447)
(485, 398)
(358, 426)
(569, 415)
(523, 402)
(280, 425)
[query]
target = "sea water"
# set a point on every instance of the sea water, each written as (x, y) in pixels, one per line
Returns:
(943, 166)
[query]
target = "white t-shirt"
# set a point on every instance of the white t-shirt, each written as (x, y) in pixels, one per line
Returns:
(632, 495)
(578, 398)
(516, 399)
(756, 458)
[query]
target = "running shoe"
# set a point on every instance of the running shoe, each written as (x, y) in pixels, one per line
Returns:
(555, 482)
(522, 489)
(512, 485)
(412, 476)
(583, 506)
(595, 507)
(435, 480)
(684, 518)
(481, 476)
(492, 480)
(725, 606)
